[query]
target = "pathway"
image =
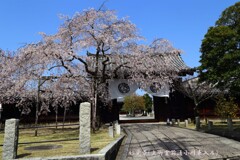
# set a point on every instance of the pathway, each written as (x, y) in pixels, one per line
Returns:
(156, 142)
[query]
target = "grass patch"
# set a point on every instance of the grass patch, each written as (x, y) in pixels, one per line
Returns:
(219, 128)
(190, 125)
(67, 138)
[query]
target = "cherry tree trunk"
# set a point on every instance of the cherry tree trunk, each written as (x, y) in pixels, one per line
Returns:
(196, 109)
(94, 107)
(64, 117)
(56, 117)
(37, 109)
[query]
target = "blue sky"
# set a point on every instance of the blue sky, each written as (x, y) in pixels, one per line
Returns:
(184, 22)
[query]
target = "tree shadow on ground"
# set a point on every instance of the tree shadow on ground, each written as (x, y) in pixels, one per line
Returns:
(93, 149)
(23, 155)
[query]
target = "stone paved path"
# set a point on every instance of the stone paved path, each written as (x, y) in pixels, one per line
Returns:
(156, 142)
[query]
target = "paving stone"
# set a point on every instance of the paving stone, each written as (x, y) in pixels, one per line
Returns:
(158, 138)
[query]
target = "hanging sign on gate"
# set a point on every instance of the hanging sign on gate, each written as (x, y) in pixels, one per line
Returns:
(121, 88)
(158, 90)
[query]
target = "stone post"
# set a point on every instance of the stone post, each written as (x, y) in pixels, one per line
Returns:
(189, 120)
(10, 144)
(197, 120)
(168, 121)
(110, 131)
(85, 128)
(186, 123)
(210, 125)
(115, 123)
(178, 122)
(118, 129)
(173, 122)
(229, 123)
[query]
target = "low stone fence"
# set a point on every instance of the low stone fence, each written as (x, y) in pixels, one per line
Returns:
(107, 153)
(110, 151)
(176, 122)
(209, 123)
(10, 145)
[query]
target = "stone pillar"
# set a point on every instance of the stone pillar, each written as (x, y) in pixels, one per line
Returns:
(178, 122)
(115, 123)
(197, 120)
(85, 128)
(117, 128)
(189, 120)
(186, 123)
(10, 144)
(229, 123)
(168, 121)
(110, 131)
(210, 125)
(173, 122)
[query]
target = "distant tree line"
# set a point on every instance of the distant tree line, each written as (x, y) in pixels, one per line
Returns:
(142, 104)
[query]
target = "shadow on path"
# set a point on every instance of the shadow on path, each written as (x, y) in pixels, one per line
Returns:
(155, 141)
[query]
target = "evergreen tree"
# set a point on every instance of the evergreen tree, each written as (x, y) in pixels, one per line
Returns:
(133, 103)
(148, 102)
(220, 59)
